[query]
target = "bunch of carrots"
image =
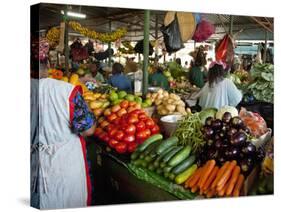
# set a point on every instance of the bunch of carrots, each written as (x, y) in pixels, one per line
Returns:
(210, 180)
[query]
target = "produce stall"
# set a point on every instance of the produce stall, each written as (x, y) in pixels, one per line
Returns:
(152, 146)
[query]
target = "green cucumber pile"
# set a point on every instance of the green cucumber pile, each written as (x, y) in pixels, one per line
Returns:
(166, 158)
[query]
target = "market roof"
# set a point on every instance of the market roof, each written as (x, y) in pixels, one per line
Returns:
(98, 18)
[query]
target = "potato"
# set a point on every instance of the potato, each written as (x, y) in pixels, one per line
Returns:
(160, 91)
(170, 108)
(163, 112)
(170, 101)
(148, 96)
(154, 95)
(160, 96)
(181, 103)
(165, 94)
(180, 109)
(158, 101)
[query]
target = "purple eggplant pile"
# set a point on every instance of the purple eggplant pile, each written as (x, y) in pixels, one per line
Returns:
(228, 139)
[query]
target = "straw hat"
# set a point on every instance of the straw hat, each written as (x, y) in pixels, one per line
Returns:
(187, 23)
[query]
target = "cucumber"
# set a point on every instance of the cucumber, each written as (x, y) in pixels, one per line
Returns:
(170, 154)
(151, 167)
(135, 155)
(167, 169)
(142, 155)
(166, 144)
(144, 163)
(184, 165)
(150, 148)
(180, 156)
(149, 141)
(138, 162)
(183, 176)
(162, 165)
(166, 174)
(172, 176)
(159, 171)
(160, 157)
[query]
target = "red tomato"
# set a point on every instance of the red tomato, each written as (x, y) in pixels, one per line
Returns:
(132, 147)
(115, 108)
(119, 135)
(121, 147)
(112, 143)
(111, 117)
(121, 112)
(132, 104)
(112, 133)
(98, 131)
(130, 129)
(104, 124)
(116, 121)
(140, 126)
(149, 123)
(141, 136)
(142, 117)
(129, 138)
(102, 136)
(147, 132)
(106, 138)
(133, 120)
(155, 129)
(110, 127)
(137, 112)
(124, 104)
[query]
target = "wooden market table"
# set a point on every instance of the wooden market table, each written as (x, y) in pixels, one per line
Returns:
(113, 182)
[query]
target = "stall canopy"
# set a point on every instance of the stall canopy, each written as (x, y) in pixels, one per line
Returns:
(100, 18)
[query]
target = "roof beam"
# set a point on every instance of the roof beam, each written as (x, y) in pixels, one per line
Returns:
(262, 24)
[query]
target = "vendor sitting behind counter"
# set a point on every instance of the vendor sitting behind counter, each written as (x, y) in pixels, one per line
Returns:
(94, 75)
(118, 79)
(158, 79)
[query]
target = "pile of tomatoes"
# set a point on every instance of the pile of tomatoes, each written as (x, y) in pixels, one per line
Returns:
(125, 126)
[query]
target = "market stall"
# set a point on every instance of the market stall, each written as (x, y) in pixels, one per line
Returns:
(153, 143)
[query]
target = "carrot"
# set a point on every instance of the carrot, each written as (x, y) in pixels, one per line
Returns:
(222, 190)
(206, 172)
(238, 186)
(211, 178)
(227, 174)
(220, 173)
(194, 189)
(196, 177)
(233, 180)
(186, 184)
(211, 193)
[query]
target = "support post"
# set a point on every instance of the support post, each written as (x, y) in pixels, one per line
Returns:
(109, 47)
(156, 38)
(66, 48)
(265, 46)
(145, 52)
(231, 24)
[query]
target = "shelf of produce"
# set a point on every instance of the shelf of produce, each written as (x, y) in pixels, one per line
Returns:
(114, 183)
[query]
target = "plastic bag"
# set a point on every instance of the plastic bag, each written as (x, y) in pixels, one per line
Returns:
(204, 30)
(254, 122)
(139, 47)
(225, 50)
(172, 36)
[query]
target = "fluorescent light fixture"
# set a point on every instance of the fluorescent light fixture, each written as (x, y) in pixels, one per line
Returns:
(74, 14)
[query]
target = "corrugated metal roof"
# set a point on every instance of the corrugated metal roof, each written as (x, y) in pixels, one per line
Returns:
(98, 18)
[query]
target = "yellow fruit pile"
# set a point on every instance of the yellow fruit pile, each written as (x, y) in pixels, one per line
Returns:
(53, 36)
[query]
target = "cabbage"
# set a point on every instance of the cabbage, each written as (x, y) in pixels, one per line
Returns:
(230, 109)
(207, 112)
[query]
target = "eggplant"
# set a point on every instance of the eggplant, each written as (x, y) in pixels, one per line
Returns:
(208, 131)
(212, 153)
(208, 121)
(238, 139)
(221, 160)
(219, 144)
(246, 165)
(260, 154)
(216, 124)
(226, 117)
(210, 142)
(236, 122)
(217, 136)
(249, 148)
(231, 132)
(234, 152)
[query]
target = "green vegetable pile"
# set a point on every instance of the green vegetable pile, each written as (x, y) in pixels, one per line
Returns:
(189, 132)
(262, 85)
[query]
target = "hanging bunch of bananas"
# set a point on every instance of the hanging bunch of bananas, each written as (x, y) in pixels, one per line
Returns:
(53, 36)
(129, 49)
(104, 37)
